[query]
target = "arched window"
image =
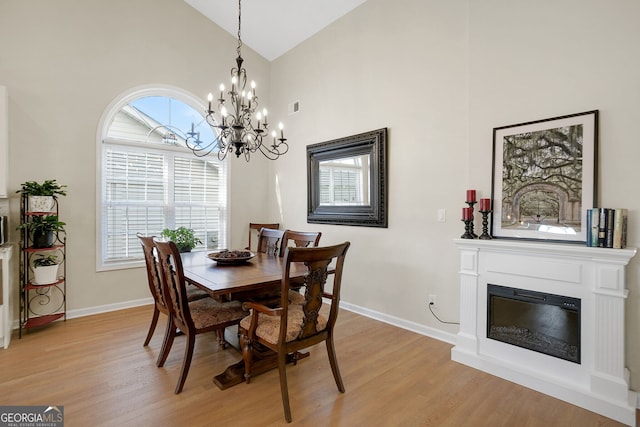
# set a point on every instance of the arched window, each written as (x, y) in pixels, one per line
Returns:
(150, 181)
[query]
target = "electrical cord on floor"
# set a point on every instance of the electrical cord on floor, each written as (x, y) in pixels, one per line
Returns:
(440, 320)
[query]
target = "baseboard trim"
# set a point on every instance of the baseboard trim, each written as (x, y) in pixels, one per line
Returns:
(72, 314)
(376, 315)
(401, 323)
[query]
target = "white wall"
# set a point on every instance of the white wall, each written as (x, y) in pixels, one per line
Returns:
(63, 62)
(441, 76)
(401, 65)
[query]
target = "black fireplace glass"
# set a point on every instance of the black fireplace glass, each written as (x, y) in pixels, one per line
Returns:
(541, 322)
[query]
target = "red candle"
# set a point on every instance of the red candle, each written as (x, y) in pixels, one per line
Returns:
(485, 204)
(467, 214)
(471, 196)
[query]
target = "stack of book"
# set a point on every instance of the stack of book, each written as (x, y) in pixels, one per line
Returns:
(607, 228)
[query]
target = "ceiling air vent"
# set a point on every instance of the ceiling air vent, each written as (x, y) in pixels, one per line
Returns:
(294, 107)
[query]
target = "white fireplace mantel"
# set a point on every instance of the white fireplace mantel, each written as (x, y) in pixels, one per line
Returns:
(600, 383)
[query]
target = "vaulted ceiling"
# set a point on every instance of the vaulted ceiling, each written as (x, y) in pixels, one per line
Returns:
(272, 27)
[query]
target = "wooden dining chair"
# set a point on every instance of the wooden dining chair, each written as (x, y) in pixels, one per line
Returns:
(192, 318)
(155, 286)
(290, 327)
(269, 241)
(255, 227)
(299, 239)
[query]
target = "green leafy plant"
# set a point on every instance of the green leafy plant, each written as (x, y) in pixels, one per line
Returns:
(43, 224)
(184, 238)
(42, 228)
(48, 188)
(45, 260)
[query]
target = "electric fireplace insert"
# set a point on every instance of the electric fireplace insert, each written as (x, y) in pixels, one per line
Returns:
(537, 321)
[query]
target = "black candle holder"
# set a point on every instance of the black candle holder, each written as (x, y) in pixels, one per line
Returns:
(485, 226)
(471, 224)
(468, 226)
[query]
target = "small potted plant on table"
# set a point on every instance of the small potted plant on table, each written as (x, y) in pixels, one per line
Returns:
(45, 269)
(41, 196)
(184, 238)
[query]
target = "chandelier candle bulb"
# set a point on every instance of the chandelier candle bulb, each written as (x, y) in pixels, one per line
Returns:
(210, 98)
(471, 196)
(223, 113)
(221, 92)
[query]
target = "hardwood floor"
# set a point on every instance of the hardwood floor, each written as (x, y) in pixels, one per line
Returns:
(97, 368)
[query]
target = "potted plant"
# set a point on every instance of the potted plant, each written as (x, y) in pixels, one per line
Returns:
(42, 228)
(45, 269)
(41, 196)
(184, 238)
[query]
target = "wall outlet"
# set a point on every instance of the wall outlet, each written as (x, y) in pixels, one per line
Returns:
(442, 215)
(432, 300)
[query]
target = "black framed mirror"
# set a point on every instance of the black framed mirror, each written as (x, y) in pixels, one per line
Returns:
(347, 180)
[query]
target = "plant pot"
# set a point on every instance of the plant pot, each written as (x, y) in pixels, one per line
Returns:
(42, 240)
(40, 203)
(45, 275)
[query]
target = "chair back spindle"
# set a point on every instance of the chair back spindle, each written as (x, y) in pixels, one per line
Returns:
(270, 240)
(153, 271)
(255, 227)
(300, 239)
(174, 284)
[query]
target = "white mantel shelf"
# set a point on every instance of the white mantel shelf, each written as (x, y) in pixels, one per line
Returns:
(600, 383)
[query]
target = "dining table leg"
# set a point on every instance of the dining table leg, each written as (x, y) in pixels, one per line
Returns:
(262, 360)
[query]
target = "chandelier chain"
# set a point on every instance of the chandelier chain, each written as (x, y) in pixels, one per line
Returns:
(239, 24)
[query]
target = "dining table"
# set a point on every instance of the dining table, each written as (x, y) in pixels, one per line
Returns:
(241, 281)
(260, 274)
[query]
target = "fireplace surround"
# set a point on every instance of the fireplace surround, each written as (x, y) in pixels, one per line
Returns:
(595, 277)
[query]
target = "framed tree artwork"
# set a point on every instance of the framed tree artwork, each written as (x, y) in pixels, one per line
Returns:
(544, 178)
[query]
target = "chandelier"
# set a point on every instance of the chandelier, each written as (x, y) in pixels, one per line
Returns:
(240, 126)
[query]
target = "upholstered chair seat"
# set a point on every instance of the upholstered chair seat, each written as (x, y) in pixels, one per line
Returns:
(269, 326)
(205, 312)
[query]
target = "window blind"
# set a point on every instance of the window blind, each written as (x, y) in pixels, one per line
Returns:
(149, 191)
